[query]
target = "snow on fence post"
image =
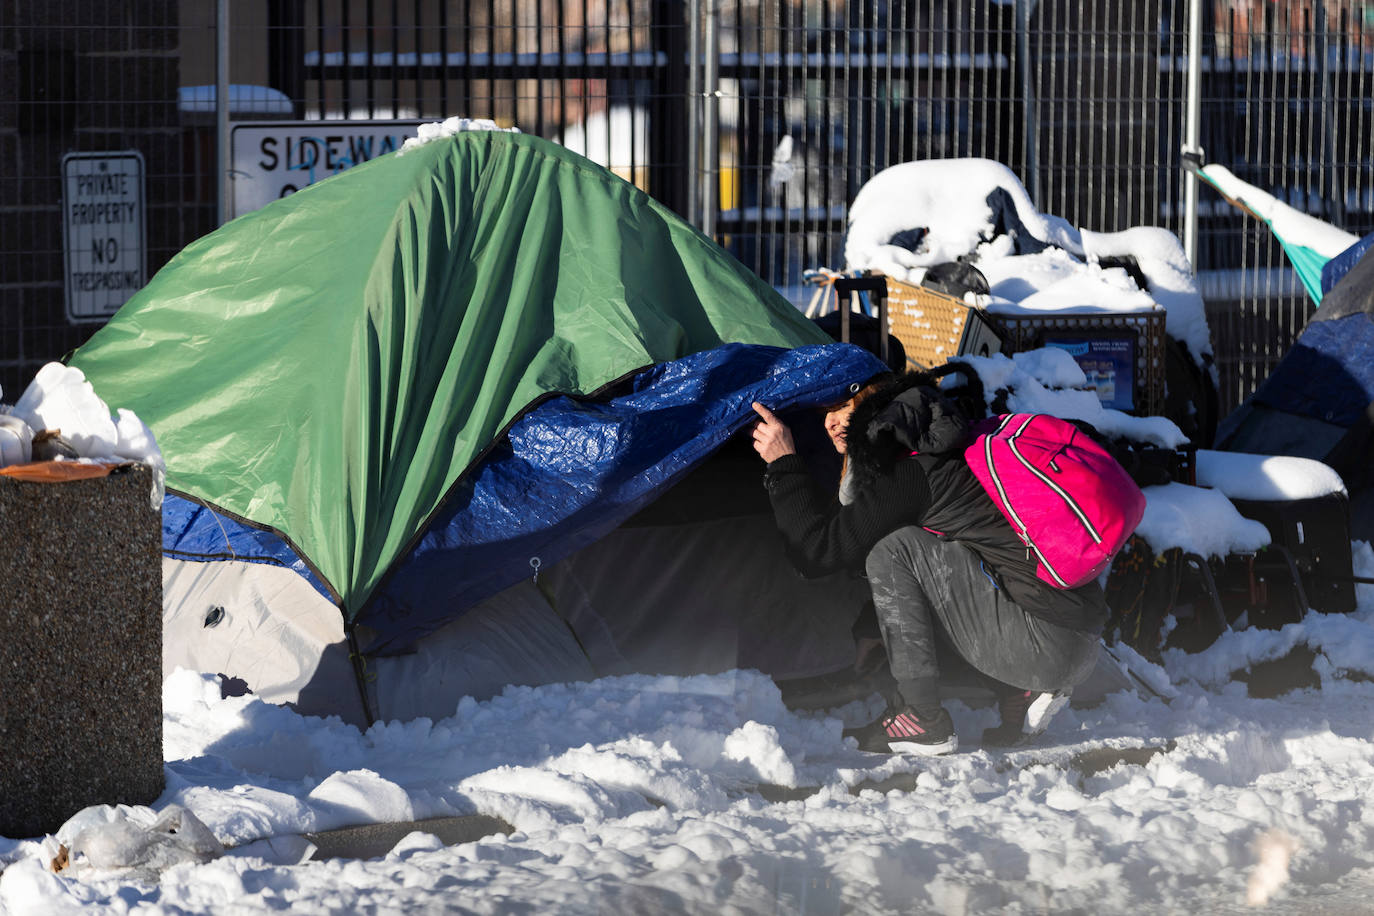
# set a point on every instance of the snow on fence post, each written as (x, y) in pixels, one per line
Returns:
(81, 653)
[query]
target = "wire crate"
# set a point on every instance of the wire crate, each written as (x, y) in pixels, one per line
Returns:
(1078, 332)
(935, 327)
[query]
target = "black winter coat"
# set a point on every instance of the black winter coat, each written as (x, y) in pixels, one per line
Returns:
(932, 488)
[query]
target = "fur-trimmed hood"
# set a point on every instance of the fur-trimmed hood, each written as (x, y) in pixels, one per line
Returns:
(908, 414)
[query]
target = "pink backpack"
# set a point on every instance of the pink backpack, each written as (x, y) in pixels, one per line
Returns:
(1064, 495)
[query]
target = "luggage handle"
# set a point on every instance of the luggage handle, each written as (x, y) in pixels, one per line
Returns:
(876, 287)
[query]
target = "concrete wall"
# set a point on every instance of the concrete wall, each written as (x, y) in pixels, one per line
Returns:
(81, 657)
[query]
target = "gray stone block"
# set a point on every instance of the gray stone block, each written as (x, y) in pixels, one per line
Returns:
(81, 662)
(9, 76)
(47, 334)
(98, 25)
(124, 92)
(10, 182)
(32, 246)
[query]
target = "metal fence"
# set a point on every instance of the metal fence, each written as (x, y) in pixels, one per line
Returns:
(693, 100)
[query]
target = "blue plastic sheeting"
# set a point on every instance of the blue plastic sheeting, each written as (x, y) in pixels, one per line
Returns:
(1329, 373)
(574, 470)
(191, 531)
(1340, 265)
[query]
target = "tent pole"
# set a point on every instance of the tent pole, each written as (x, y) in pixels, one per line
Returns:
(360, 675)
(1192, 129)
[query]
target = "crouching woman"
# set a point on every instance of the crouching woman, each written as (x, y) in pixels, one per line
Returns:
(939, 557)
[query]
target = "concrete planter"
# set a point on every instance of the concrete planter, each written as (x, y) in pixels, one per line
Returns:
(80, 648)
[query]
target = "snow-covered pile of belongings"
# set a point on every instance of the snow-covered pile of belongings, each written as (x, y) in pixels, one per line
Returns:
(972, 267)
(1318, 402)
(1056, 319)
(59, 429)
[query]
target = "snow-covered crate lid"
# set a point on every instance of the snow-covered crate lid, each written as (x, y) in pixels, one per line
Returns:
(1123, 348)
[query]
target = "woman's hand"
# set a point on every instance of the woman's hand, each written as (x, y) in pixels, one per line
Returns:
(772, 438)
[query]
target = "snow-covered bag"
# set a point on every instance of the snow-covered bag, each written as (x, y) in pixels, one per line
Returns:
(1065, 496)
(129, 840)
(61, 399)
(16, 441)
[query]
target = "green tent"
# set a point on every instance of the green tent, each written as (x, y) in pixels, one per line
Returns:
(327, 367)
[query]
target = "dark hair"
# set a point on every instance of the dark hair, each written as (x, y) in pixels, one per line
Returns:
(870, 388)
(864, 392)
(858, 392)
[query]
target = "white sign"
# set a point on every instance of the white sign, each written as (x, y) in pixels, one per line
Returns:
(104, 242)
(272, 159)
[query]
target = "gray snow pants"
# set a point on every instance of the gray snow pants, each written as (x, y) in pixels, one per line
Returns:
(921, 582)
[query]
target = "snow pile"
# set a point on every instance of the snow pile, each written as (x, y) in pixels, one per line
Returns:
(1199, 521)
(60, 403)
(438, 130)
(1266, 477)
(1049, 381)
(912, 216)
(131, 842)
(651, 794)
(946, 198)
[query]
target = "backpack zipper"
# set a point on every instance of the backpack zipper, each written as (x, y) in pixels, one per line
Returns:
(1020, 526)
(1068, 500)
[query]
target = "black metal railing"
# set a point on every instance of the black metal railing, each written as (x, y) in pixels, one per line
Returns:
(1083, 99)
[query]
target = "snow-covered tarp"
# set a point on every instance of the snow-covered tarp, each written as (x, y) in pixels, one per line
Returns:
(912, 216)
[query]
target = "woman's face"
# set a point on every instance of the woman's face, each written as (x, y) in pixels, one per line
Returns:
(836, 422)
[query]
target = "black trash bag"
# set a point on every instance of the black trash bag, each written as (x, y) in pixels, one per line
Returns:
(954, 278)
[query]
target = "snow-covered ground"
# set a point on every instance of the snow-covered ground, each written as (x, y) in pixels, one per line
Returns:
(652, 794)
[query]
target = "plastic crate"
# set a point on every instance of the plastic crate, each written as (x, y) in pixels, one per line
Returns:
(1023, 331)
(934, 327)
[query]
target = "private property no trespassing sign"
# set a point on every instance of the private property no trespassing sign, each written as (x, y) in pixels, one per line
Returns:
(105, 232)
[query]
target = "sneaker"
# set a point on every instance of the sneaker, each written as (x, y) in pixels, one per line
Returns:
(1025, 714)
(900, 730)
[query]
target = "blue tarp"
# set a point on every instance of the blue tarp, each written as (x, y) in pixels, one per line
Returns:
(568, 472)
(1323, 387)
(1336, 268)
(1328, 374)
(191, 531)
